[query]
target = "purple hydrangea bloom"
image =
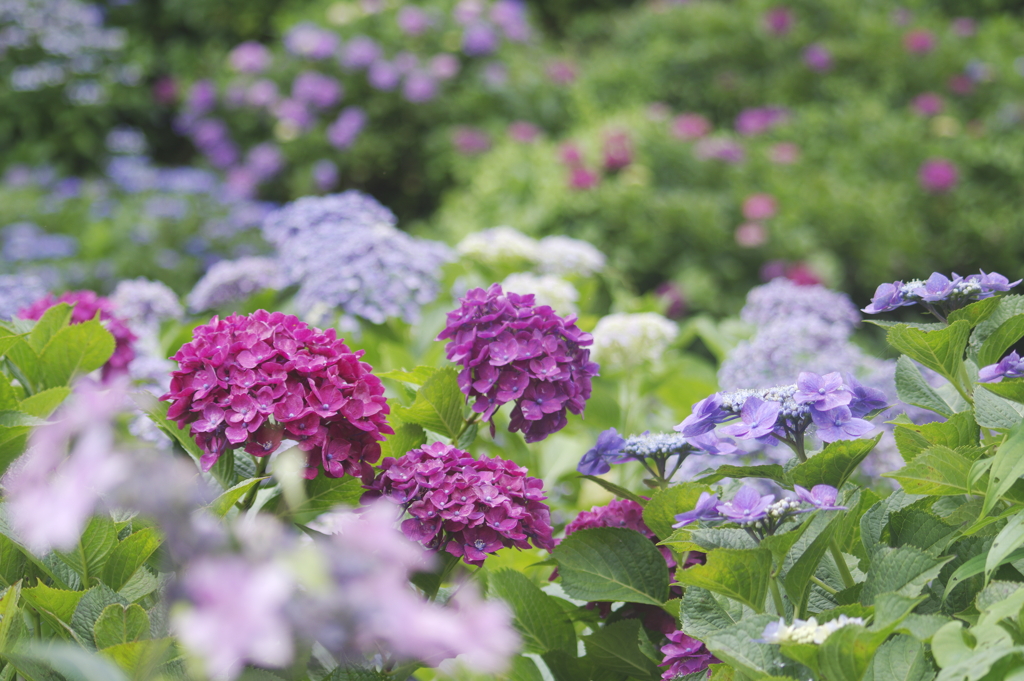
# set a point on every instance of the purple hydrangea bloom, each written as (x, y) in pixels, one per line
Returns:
(383, 75)
(756, 121)
(818, 58)
(360, 52)
(413, 21)
(865, 398)
(937, 288)
(706, 509)
(822, 497)
(598, 459)
(887, 297)
(479, 39)
(822, 392)
(712, 444)
(250, 57)
(1010, 366)
(747, 506)
(316, 90)
(325, 174)
(839, 424)
(684, 655)
(465, 506)
(757, 419)
(940, 294)
(992, 282)
(514, 350)
(342, 133)
(310, 41)
(419, 87)
(705, 415)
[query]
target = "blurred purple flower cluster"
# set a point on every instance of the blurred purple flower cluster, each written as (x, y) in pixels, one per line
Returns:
(939, 294)
(250, 381)
(513, 350)
(763, 513)
(465, 506)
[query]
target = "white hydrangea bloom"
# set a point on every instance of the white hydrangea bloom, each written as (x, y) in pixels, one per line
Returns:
(625, 340)
(808, 631)
(499, 244)
(563, 255)
(548, 290)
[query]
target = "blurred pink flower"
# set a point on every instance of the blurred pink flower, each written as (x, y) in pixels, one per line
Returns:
(561, 72)
(927, 104)
(919, 41)
(570, 154)
(582, 179)
(759, 207)
(470, 141)
(818, 58)
(938, 175)
(165, 90)
(413, 21)
(961, 84)
(445, 66)
(751, 235)
(719, 149)
(690, 126)
(778, 20)
(784, 153)
(523, 131)
(618, 151)
(250, 57)
(964, 27)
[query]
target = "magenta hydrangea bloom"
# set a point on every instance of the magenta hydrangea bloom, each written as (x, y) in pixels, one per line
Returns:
(685, 655)
(251, 381)
(513, 350)
(87, 305)
(465, 506)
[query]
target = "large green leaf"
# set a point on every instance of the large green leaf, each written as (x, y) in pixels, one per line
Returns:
(937, 470)
(79, 348)
(612, 564)
(702, 614)
(541, 622)
(46, 327)
(407, 436)
(740, 574)
(1008, 333)
(118, 624)
(128, 556)
(1008, 539)
(617, 647)
(44, 403)
(324, 493)
(941, 351)
(229, 497)
(666, 504)
(90, 554)
(773, 472)
(439, 405)
(913, 389)
(416, 377)
(976, 312)
(995, 412)
(736, 645)
(913, 527)
(846, 654)
(58, 602)
(834, 464)
(1007, 467)
(90, 608)
(1010, 389)
(903, 571)
(798, 579)
(975, 566)
(958, 431)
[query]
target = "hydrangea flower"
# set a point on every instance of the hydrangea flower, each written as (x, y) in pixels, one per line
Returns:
(684, 655)
(249, 381)
(1010, 366)
(465, 506)
(939, 294)
(624, 341)
(806, 631)
(18, 291)
(87, 304)
(565, 256)
(499, 245)
(144, 303)
(547, 289)
(761, 515)
(606, 451)
(27, 241)
(232, 281)
(512, 350)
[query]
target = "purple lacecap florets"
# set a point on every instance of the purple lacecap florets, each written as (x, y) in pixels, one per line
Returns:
(822, 497)
(947, 293)
(87, 304)
(467, 507)
(250, 381)
(513, 350)
(1011, 366)
(749, 507)
(746, 506)
(598, 460)
(684, 655)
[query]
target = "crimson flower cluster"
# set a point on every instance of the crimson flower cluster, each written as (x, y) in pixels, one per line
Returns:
(513, 350)
(250, 381)
(465, 506)
(87, 304)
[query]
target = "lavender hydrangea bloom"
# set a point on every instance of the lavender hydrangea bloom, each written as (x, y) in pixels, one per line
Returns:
(936, 288)
(310, 41)
(706, 509)
(18, 291)
(27, 241)
(712, 444)
(783, 298)
(821, 497)
(823, 392)
(359, 53)
(839, 424)
(342, 133)
(231, 281)
(939, 294)
(1010, 366)
(705, 415)
(865, 398)
(747, 506)
(757, 418)
(598, 459)
(887, 297)
(144, 304)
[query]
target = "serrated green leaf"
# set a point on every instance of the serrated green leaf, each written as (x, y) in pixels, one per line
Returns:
(46, 327)
(617, 490)
(740, 574)
(903, 571)
(439, 405)
(128, 556)
(976, 312)
(89, 609)
(995, 412)
(735, 646)
(1009, 388)
(540, 621)
(416, 377)
(324, 493)
(975, 566)
(702, 614)
(804, 653)
(780, 544)
(773, 472)
(937, 470)
(8, 396)
(79, 348)
(724, 538)
(612, 564)
(923, 627)
(141, 584)
(118, 624)
(913, 389)
(846, 654)
(925, 326)
(995, 592)
(407, 437)
(57, 602)
(666, 504)
(958, 431)
(798, 579)
(1008, 539)
(522, 668)
(1007, 467)
(834, 464)
(901, 659)
(1008, 333)
(44, 403)
(93, 548)
(912, 527)
(940, 350)
(616, 647)
(229, 497)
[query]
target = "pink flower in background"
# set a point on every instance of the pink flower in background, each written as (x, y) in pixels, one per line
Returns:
(570, 154)
(751, 122)
(444, 66)
(618, 151)
(751, 235)
(938, 175)
(264, 160)
(250, 57)
(800, 273)
(719, 149)
(468, 11)
(784, 153)
(342, 133)
(413, 21)
(419, 87)
(383, 75)
(778, 21)
(510, 15)
(295, 112)
(359, 53)
(671, 294)
(241, 183)
(927, 104)
(964, 27)
(961, 84)
(479, 39)
(919, 41)
(818, 58)
(495, 74)
(759, 207)
(690, 126)
(561, 72)
(165, 90)
(202, 97)
(523, 131)
(470, 141)
(583, 179)
(262, 94)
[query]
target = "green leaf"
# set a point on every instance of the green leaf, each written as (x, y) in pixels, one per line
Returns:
(773, 472)
(740, 574)
(90, 607)
(118, 624)
(324, 493)
(44, 403)
(912, 527)
(59, 603)
(439, 405)
(846, 653)
(46, 327)
(1008, 333)
(79, 348)
(958, 431)
(612, 564)
(90, 554)
(144, 657)
(522, 668)
(1008, 388)
(804, 653)
(62, 662)
(666, 504)
(223, 469)
(540, 621)
(157, 412)
(703, 615)
(8, 395)
(780, 544)
(735, 646)
(725, 538)
(891, 609)
(229, 497)
(1007, 467)
(798, 579)
(975, 566)
(927, 326)
(141, 584)
(618, 491)
(565, 667)
(416, 377)
(903, 571)
(616, 647)
(128, 556)
(913, 389)
(937, 470)
(940, 350)
(1008, 539)
(875, 520)
(834, 464)
(997, 413)
(407, 437)
(974, 313)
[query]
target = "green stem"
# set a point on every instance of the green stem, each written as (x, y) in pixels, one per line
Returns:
(844, 570)
(21, 378)
(823, 585)
(38, 621)
(773, 585)
(465, 426)
(261, 468)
